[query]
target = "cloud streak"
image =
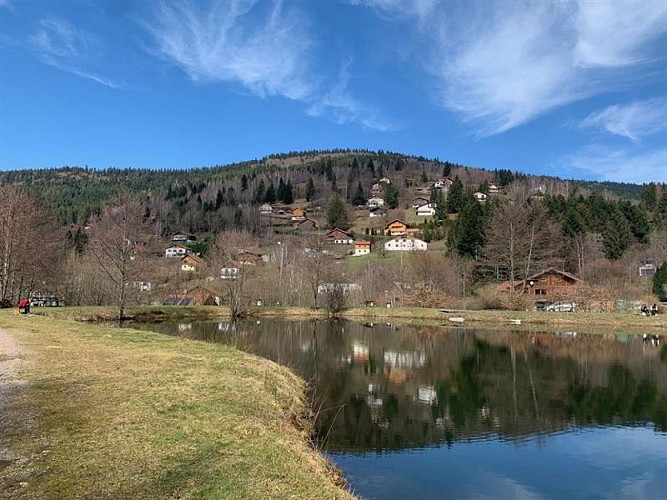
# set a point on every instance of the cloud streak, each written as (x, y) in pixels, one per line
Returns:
(232, 42)
(398, 10)
(633, 121)
(502, 64)
(620, 165)
(61, 45)
(266, 51)
(344, 108)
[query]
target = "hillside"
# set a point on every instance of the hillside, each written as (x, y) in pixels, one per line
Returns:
(72, 194)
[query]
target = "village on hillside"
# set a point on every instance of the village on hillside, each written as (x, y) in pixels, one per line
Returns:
(346, 229)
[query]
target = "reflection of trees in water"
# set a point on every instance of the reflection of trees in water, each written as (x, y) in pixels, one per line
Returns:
(388, 387)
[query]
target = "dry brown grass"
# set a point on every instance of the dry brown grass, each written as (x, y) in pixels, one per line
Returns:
(117, 413)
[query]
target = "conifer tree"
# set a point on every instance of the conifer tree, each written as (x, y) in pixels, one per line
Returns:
(359, 197)
(455, 196)
(337, 214)
(270, 195)
(659, 281)
(310, 189)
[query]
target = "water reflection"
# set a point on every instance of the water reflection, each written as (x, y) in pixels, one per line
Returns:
(448, 412)
(385, 387)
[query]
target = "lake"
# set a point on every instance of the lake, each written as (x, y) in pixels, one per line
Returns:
(451, 412)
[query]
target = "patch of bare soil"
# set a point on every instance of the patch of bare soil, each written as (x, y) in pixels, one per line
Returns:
(11, 355)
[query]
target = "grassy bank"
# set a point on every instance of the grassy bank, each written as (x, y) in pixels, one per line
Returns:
(486, 319)
(117, 413)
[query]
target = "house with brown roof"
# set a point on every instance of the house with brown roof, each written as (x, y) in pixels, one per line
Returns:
(362, 247)
(418, 202)
(298, 214)
(339, 237)
(396, 228)
(545, 284)
(191, 263)
(306, 225)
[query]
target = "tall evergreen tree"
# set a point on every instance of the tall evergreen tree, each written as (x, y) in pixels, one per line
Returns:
(616, 236)
(359, 197)
(310, 189)
(244, 182)
(650, 197)
(455, 196)
(370, 166)
(260, 192)
(659, 282)
(337, 214)
(469, 233)
(270, 195)
(391, 197)
(289, 195)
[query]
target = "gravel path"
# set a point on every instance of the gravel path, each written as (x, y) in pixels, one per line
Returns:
(11, 354)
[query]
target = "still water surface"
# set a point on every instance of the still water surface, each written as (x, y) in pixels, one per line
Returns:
(439, 412)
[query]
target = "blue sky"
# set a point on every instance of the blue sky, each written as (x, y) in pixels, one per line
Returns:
(576, 89)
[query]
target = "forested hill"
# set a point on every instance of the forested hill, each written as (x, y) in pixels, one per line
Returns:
(72, 194)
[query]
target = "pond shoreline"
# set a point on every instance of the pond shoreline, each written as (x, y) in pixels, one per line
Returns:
(187, 415)
(627, 320)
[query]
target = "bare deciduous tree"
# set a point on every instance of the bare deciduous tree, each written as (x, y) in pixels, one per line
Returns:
(117, 240)
(226, 253)
(26, 244)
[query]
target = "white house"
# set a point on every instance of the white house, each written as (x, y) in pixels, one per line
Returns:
(230, 271)
(362, 247)
(405, 244)
(479, 196)
(177, 251)
(377, 212)
(184, 238)
(442, 184)
(427, 210)
(375, 202)
(265, 209)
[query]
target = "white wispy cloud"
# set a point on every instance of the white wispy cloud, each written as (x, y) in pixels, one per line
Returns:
(235, 41)
(621, 165)
(344, 108)
(60, 44)
(267, 51)
(633, 121)
(613, 34)
(400, 9)
(501, 64)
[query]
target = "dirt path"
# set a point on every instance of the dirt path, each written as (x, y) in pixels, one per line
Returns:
(11, 357)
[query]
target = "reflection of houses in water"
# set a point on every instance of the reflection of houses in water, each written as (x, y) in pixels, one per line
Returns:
(413, 359)
(360, 351)
(375, 404)
(427, 394)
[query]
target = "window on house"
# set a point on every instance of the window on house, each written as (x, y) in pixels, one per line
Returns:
(540, 291)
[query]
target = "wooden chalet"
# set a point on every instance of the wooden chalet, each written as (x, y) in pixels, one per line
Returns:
(544, 285)
(298, 214)
(197, 296)
(339, 237)
(418, 202)
(191, 263)
(396, 228)
(306, 225)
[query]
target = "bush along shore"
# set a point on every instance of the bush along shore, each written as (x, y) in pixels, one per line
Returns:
(105, 412)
